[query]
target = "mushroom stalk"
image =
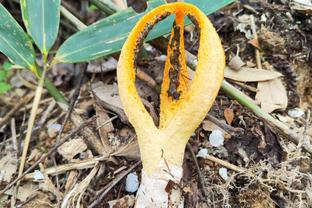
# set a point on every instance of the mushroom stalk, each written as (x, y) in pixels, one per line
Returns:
(184, 104)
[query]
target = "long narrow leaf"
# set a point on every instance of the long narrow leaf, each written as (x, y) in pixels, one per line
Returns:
(14, 42)
(108, 35)
(42, 18)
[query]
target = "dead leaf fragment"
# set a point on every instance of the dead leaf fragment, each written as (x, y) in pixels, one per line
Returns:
(71, 148)
(255, 43)
(108, 96)
(302, 6)
(272, 95)
(250, 74)
(124, 202)
(24, 191)
(105, 126)
(271, 41)
(100, 66)
(130, 151)
(210, 126)
(40, 201)
(8, 166)
(228, 115)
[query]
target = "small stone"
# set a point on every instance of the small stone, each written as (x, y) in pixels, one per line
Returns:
(132, 182)
(216, 138)
(223, 173)
(38, 175)
(296, 113)
(202, 153)
(53, 129)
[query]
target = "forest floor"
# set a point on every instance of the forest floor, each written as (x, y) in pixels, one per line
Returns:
(256, 167)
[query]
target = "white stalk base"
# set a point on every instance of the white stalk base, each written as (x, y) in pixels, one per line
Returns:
(153, 193)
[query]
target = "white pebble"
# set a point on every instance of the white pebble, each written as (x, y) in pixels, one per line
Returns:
(223, 173)
(38, 175)
(216, 138)
(296, 113)
(55, 126)
(132, 182)
(202, 153)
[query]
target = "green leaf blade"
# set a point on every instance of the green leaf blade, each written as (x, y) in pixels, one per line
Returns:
(4, 87)
(42, 18)
(14, 42)
(107, 36)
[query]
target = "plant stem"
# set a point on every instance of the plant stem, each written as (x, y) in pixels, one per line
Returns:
(80, 25)
(53, 91)
(31, 120)
(106, 6)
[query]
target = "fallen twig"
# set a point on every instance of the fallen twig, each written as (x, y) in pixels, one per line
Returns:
(224, 163)
(200, 175)
(83, 164)
(229, 129)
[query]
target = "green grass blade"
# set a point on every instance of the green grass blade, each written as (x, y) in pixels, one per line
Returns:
(42, 18)
(108, 35)
(14, 42)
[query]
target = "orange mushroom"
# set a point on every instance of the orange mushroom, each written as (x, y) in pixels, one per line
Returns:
(184, 104)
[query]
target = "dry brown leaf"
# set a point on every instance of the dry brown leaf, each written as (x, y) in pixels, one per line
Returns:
(124, 202)
(8, 166)
(109, 97)
(272, 95)
(71, 148)
(228, 115)
(102, 66)
(255, 43)
(130, 151)
(250, 74)
(40, 201)
(303, 6)
(210, 126)
(24, 191)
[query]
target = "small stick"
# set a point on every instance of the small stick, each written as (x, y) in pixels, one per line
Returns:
(200, 175)
(245, 86)
(254, 32)
(229, 129)
(31, 120)
(73, 133)
(225, 163)
(110, 185)
(84, 164)
(146, 78)
(14, 143)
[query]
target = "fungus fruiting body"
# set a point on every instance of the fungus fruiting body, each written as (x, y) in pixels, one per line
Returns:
(184, 104)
